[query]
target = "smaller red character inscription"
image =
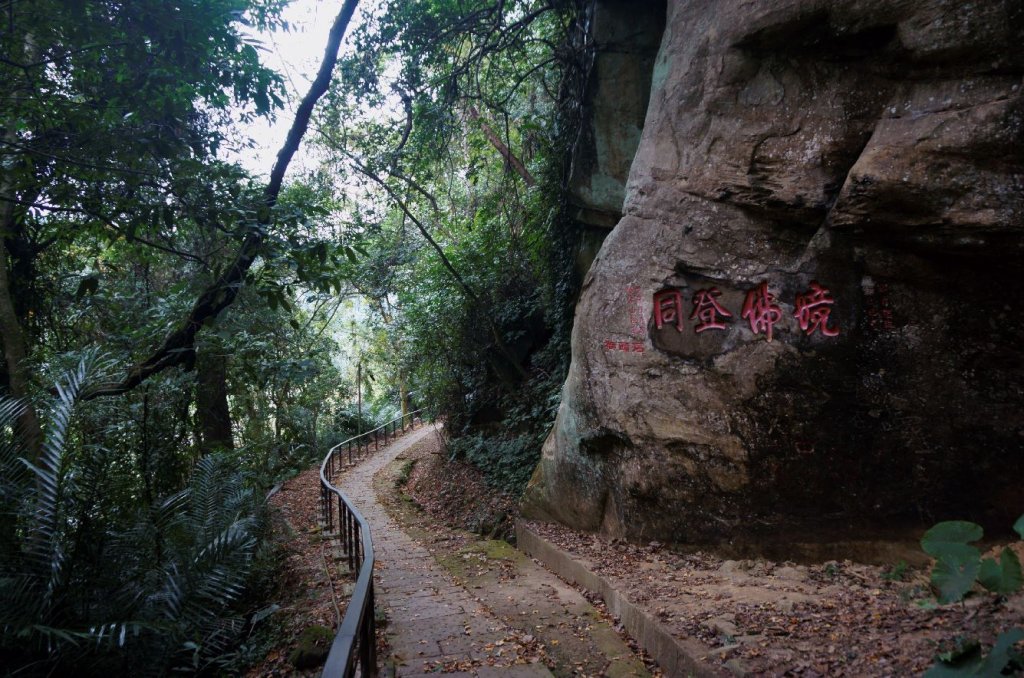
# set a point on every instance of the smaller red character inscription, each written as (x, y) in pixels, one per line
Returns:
(668, 308)
(707, 311)
(813, 309)
(761, 311)
(877, 309)
(624, 346)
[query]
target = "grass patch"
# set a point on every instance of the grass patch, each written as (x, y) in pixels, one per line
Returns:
(404, 472)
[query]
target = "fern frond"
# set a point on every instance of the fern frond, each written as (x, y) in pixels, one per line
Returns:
(12, 472)
(117, 633)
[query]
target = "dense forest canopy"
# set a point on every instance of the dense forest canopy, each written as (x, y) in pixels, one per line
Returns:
(179, 334)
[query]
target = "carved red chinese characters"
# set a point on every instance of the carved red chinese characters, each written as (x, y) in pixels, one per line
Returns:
(668, 309)
(813, 309)
(761, 311)
(624, 346)
(708, 313)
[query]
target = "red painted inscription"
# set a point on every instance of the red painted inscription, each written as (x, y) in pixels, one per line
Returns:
(709, 314)
(878, 311)
(813, 309)
(623, 346)
(761, 311)
(668, 309)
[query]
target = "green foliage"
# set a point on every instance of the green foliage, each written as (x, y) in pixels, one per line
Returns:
(959, 565)
(966, 658)
(466, 259)
(954, 575)
(950, 536)
(145, 589)
(507, 461)
(897, 572)
(1002, 577)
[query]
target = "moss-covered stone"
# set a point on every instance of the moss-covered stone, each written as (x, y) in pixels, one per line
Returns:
(314, 645)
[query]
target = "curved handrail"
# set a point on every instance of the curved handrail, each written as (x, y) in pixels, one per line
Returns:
(357, 630)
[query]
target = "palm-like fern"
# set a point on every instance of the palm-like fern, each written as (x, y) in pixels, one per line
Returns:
(210, 538)
(154, 595)
(33, 573)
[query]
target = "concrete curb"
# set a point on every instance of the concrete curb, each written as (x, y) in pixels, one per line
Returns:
(676, 657)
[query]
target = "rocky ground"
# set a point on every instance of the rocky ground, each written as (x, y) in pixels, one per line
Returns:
(760, 617)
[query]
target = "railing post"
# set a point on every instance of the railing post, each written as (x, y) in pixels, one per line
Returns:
(368, 642)
(348, 533)
(350, 547)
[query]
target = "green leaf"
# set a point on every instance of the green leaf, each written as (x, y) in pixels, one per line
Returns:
(1018, 526)
(264, 613)
(954, 575)
(956, 532)
(1002, 653)
(88, 285)
(964, 650)
(942, 670)
(1003, 577)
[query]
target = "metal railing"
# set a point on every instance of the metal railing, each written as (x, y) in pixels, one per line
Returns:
(355, 643)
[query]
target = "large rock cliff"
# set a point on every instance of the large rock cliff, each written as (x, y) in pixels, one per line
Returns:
(809, 322)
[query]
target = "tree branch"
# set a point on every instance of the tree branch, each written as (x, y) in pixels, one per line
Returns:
(460, 281)
(513, 162)
(179, 346)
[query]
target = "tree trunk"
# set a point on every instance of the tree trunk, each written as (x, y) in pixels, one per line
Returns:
(11, 332)
(403, 394)
(212, 412)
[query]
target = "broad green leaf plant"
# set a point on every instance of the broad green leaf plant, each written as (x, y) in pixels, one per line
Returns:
(959, 565)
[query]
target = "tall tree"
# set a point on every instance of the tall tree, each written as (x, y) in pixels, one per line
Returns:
(110, 132)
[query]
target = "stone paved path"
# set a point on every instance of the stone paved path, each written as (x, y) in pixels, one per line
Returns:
(433, 622)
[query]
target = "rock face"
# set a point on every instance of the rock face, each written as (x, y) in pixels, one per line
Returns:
(848, 175)
(623, 39)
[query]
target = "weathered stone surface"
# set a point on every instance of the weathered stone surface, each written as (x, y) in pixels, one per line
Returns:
(623, 41)
(875, 147)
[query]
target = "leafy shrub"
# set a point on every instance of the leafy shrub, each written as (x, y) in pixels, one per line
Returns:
(958, 564)
(966, 658)
(507, 462)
